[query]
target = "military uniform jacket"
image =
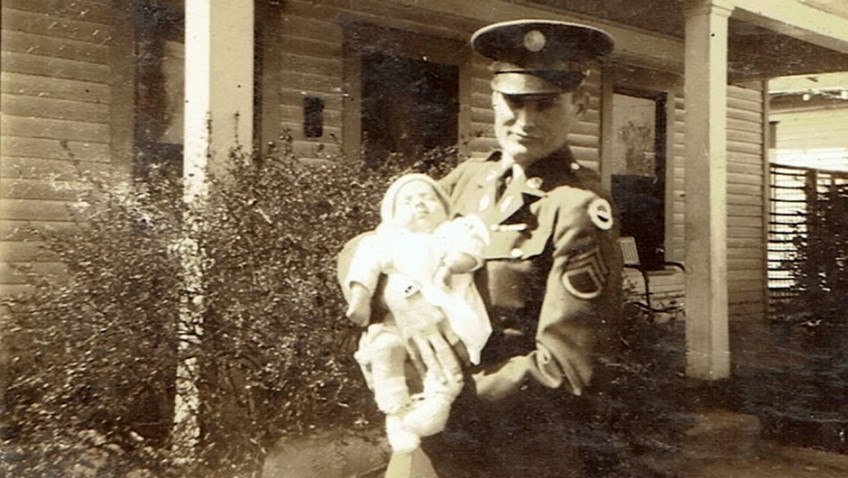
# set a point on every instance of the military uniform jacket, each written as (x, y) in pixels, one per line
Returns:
(552, 277)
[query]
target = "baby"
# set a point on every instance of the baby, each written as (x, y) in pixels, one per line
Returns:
(427, 260)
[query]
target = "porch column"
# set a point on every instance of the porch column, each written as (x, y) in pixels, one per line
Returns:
(707, 340)
(218, 117)
(219, 84)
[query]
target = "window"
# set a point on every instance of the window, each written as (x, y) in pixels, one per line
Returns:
(159, 91)
(408, 106)
(405, 89)
(638, 169)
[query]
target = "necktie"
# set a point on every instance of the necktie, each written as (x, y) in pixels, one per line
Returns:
(503, 181)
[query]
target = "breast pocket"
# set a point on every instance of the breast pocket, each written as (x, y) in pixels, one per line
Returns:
(514, 267)
(509, 242)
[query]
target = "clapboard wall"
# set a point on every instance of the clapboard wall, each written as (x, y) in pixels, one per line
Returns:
(312, 59)
(746, 202)
(813, 138)
(55, 108)
(55, 119)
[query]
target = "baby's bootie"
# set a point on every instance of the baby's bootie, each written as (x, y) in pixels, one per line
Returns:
(400, 439)
(428, 414)
(391, 395)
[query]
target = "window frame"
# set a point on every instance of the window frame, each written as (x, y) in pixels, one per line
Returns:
(362, 36)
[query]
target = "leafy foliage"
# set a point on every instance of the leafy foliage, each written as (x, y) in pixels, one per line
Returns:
(813, 326)
(820, 267)
(95, 353)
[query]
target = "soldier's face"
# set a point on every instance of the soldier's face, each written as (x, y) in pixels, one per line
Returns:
(530, 127)
(418, 207)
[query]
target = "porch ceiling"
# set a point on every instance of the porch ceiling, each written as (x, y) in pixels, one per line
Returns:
(755, 53)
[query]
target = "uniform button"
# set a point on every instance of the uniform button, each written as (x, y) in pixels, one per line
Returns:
(575, 166)
(516, 253)
(534, 182)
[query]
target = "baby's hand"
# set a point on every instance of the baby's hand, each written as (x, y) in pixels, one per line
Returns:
(359, 309)
(442, 276)
(359, 313)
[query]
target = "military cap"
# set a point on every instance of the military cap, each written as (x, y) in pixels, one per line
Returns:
(539, 56)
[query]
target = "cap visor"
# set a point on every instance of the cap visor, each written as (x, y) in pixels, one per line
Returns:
(523, 84)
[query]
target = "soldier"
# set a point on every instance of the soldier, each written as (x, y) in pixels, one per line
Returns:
(552, 277)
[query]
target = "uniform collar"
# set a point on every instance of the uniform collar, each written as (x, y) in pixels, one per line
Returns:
(559, 163)
(541, 176)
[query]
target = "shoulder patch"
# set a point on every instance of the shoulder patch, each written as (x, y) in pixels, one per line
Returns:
(585, 274)
(600, 212)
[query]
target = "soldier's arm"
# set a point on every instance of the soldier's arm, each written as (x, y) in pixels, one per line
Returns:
(582, 296)
(449, 182)
(459, 177)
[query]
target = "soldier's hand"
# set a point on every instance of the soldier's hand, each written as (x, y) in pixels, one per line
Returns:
(497, 385)
(431, 350)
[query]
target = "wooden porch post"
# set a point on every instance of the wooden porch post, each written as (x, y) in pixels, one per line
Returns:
(707, 339)
(219, 84)
(218, 117)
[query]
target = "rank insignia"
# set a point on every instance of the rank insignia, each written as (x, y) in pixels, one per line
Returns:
(585, 274)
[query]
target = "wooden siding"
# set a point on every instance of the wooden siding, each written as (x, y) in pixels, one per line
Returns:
(311, 55)
(812, 138)
(310, 62)
(746, 203)
(675, 207)
(314, 61)
(55, 103)
(745, 198)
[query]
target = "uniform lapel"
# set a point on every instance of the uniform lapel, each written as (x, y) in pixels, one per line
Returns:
(511, 201)
(539, 178)
(487, 184)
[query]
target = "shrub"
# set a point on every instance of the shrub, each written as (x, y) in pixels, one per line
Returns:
(94, 355)
(820, 269)
(813, 324)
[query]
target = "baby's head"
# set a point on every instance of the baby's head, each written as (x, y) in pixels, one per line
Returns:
(416, 203)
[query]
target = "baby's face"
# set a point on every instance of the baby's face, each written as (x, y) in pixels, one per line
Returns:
(418, 207)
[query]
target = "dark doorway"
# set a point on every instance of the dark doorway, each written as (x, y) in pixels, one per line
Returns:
(408, 106)
(638, 180)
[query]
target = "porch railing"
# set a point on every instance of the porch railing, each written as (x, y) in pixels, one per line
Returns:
(795, 193)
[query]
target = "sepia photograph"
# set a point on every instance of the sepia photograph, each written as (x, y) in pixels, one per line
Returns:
(423, 238)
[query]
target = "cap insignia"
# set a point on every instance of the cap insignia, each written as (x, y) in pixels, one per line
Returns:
(534, 40)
